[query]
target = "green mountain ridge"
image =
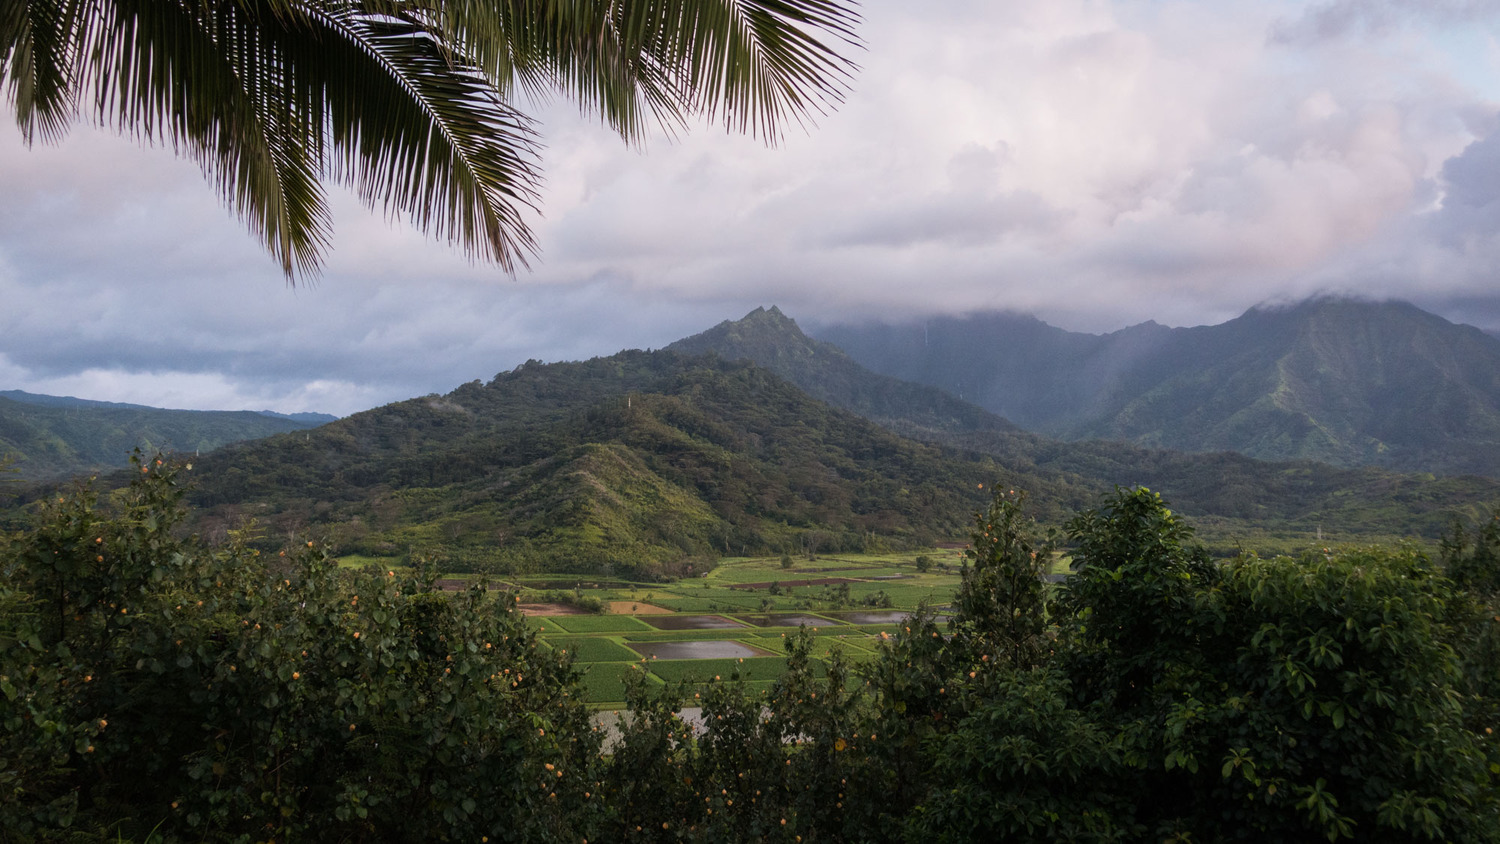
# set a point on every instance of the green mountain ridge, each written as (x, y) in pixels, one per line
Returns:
(644, 463)
(773, 340)
(1238, 495)
(1340, 381)
(642, 458)
(55, 439)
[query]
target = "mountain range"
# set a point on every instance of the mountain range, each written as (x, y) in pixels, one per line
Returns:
(1342, 381)
(750, 437)
(51, 437)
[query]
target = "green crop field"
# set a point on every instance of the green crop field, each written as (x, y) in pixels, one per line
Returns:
(722, 670)
(592, 648)
(598, 624)
(599, 644)
(604, 682)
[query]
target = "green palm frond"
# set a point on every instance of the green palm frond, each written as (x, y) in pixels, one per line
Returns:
(407, 101)
(34, 54)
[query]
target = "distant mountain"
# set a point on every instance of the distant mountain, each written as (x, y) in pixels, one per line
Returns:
(1336, 380)
(1239, 499)
(658, 458)
(310, 419)
(67, 401)
(642, 458)
(650, 461)
(49, 437)
(773, 340)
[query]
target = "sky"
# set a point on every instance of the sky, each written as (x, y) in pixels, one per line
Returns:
(1097, 163)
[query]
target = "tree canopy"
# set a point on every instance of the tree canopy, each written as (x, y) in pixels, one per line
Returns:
(155, 689)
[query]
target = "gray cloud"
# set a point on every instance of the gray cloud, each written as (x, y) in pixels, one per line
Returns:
(1337, 19)
(1094, 163)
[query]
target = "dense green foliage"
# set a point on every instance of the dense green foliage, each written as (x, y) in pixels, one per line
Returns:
(1245, 503)
(1343, 382)
(644, 463)
(151, 686)
(55, 441)
(155, 688)
(635, 464)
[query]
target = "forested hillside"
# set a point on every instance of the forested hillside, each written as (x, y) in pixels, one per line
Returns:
(1240, 498)
(50, 437)
(1344, 382)
(638, 459)
(648, 462)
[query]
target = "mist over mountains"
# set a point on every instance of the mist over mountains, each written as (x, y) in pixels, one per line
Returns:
(1341, 381)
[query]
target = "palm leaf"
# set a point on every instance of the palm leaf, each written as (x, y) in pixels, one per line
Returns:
(408, 101)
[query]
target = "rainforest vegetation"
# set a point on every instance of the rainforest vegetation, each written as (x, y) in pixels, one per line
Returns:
(159, 688)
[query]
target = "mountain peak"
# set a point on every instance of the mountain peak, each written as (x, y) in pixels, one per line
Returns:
(762, 333)
(773, 340)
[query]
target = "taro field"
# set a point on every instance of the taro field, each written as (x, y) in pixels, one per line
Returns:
(731, 624)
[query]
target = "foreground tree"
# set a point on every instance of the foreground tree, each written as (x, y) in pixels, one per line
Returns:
(412, 103)
(149, 686)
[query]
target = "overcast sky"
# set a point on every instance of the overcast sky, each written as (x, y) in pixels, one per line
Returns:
(1095, 163)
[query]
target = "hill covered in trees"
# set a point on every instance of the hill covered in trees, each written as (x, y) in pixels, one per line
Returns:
(1344, 382)
(49, 437)
(1238, 497)
(647, 462)
(638, 459)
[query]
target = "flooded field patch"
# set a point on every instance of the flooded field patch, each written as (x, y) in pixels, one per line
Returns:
(721, 649)
(691, 622)
(786, 619)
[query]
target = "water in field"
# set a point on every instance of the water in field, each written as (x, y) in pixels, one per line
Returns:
(880, 616)
(788, 619)
(691, 622)
(720, 649)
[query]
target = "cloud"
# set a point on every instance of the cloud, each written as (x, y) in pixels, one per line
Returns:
(1344, 18)
(1096, 163)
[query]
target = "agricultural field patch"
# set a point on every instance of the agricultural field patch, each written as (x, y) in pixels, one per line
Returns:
(636, 608)
(705, 670)
(591, 648)
(847, 615)
(688, 635)
(786, 620)
(598, 624)
(604, 682)
(698, 650)
(548, 610)
(693, 622)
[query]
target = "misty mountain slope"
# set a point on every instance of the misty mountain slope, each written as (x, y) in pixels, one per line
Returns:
(63, 437)
(1346, 382)
(1040, 377)
(655, 459)
(773, 340)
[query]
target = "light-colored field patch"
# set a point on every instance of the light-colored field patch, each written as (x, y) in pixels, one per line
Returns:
(637, 608)
(549, 609)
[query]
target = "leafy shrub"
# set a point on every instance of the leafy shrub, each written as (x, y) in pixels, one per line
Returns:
(154, 686)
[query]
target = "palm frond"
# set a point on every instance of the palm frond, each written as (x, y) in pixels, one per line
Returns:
(205, 79)
(421, 131)
(408, 101)
(35, 53)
